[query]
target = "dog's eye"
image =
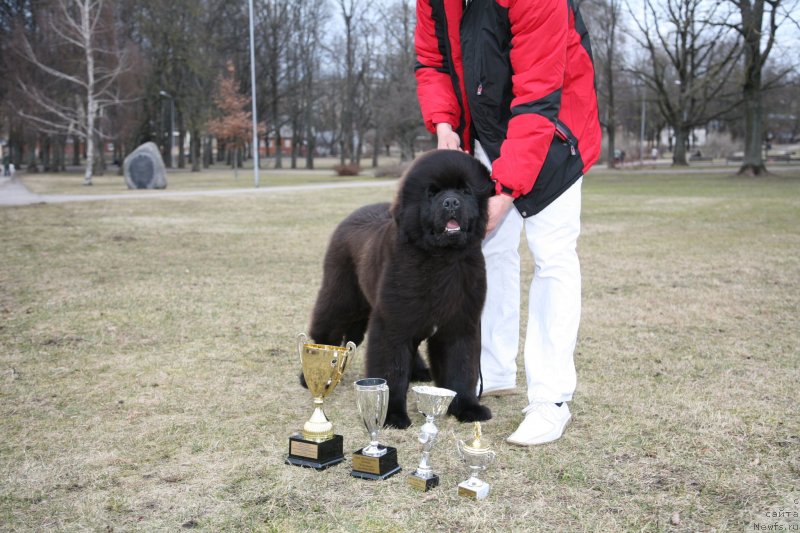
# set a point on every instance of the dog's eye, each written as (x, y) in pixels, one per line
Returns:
(433, 190)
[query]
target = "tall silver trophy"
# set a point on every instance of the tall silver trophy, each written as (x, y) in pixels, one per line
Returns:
(374, 461)
(477, 456)
(431, 402)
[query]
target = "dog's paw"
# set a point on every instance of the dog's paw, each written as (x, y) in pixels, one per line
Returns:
(473, 413)
(303, 381)
(397, 420)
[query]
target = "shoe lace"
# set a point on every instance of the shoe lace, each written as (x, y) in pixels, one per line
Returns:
(536, 405)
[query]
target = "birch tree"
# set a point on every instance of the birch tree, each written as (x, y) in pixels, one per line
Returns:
(84, 30)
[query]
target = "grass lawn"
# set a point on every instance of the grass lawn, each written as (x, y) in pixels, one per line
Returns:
(148, 371)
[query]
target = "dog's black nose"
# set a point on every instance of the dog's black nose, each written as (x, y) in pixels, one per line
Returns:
(451, 203)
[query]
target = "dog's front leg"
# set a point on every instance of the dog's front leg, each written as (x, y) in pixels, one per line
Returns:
(389, 356)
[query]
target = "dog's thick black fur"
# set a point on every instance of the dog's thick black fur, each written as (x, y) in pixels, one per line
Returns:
(412, 271)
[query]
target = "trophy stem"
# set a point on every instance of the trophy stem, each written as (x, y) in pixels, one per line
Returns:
(318, 428)
(424, 469)
(473, 480)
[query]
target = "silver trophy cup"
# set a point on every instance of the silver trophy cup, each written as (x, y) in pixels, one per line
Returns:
(431, 402)
(372, 398)
(373, 461)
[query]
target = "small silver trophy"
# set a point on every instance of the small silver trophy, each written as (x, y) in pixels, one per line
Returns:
(373, 461)
(477, 457)
(431, 402)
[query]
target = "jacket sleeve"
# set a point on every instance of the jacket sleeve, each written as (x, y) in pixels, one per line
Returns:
(437, 99)
(539, 30)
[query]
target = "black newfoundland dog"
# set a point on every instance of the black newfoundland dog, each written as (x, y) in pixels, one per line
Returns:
(412, 271)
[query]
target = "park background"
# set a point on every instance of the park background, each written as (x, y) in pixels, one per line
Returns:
(148, 372)
(86, 81)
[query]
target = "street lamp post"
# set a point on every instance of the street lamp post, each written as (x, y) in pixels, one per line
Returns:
(641, 133)
(253, 97)
(165, 94)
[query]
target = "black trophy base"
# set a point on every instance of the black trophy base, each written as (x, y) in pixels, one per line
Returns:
(312, 454)
(422, 484)
(366, 467)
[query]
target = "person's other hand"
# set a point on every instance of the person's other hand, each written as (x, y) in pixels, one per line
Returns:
(499, 206)
(446, 138)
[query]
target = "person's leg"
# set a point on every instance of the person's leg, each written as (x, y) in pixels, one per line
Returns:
(554, 310)
(500, 318)
(554, 306)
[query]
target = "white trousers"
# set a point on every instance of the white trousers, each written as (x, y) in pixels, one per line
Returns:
(554, 304)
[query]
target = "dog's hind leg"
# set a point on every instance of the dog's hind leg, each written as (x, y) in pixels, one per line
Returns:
(341, 312)
(419, 369)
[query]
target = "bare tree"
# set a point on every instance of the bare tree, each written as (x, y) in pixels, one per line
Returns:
(85, 27)
(353, 15)
(275, 18)
(312, 17)
(689, 61)
(397, 108)
(604, 19)
(759, 37)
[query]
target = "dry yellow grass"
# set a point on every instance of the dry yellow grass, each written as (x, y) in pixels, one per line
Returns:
(148, 375)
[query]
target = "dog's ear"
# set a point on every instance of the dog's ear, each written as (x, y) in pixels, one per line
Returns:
(397, 213)
(480, 179)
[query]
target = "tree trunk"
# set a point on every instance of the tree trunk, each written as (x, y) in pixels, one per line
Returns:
(753, 163)
(76, 151)
(376, 144)
(194, 148)
(181, 140)
(278, 148)
(679, 155)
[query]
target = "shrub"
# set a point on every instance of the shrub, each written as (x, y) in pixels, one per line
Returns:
(392, 171)
(350, 169)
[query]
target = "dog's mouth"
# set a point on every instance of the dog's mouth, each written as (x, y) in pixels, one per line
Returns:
(452, 226)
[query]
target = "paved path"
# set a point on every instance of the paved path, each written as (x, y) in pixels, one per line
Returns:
(13, 192)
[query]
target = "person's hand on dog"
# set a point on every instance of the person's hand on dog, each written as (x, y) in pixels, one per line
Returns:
(499, 206)
(446, 138)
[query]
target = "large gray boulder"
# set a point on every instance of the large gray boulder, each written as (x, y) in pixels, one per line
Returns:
(144, 168)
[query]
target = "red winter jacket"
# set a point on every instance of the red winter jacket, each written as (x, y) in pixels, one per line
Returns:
(517, 75)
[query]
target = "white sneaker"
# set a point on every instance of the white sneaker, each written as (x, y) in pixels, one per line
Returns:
(544, 422)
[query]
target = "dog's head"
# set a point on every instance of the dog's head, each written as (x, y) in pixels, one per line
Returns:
(442, 201)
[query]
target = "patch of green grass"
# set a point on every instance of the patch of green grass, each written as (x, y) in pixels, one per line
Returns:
(148, 372)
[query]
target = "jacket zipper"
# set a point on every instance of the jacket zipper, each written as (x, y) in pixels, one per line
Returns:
(561, 134)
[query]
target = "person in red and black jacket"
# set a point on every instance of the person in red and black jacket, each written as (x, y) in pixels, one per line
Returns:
(512, 82)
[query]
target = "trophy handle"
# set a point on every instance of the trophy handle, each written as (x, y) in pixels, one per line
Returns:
(301, 340)
(351, 350)
(460, 448)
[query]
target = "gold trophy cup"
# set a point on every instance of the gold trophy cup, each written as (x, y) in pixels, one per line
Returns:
(316, 446)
